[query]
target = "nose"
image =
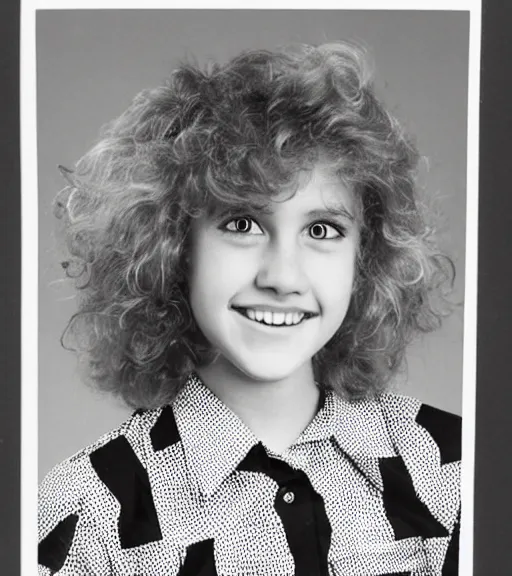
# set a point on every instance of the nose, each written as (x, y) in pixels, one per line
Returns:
(282, 270)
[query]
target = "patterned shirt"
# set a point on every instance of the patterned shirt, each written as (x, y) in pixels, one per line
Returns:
(369, 488)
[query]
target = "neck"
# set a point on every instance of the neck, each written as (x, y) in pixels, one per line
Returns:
(275, 411)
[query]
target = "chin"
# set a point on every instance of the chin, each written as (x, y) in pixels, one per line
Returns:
(267, 368)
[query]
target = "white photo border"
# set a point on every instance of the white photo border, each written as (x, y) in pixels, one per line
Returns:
(29, 200)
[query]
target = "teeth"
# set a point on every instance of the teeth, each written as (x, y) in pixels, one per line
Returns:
(274, 318)
(278, 318)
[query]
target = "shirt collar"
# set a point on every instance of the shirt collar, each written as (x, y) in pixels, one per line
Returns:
(215, 440)
(361, 433)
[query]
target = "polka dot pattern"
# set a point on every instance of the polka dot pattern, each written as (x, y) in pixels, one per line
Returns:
(190, 458)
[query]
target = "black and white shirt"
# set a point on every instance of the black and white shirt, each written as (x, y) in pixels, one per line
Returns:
(369, 488)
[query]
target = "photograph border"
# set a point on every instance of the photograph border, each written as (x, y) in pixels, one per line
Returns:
(29, 290)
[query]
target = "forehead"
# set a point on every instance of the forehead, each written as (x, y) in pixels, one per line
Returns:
(318, 187)
(321, 188)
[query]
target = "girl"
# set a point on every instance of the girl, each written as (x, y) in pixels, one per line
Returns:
(252, 262)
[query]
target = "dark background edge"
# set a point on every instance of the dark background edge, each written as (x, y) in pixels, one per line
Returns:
(493, 462)
(10, 288)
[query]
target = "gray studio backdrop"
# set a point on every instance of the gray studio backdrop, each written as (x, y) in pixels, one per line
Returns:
(90, 64)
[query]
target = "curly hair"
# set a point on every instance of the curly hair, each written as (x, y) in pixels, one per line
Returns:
(234, 135)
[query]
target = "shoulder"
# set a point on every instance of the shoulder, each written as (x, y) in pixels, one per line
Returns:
(408, 417)
(425, 473)
(98, 505)
(85, 481)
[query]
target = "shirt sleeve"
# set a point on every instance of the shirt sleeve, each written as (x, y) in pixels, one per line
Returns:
(70, 538)
(451, 560)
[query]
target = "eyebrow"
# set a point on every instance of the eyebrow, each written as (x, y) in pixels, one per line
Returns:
(319, 213)
(339, 211)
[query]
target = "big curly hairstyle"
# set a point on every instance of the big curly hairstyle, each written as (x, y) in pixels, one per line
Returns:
(234, 135)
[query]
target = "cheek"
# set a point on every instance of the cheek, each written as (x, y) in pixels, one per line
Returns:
(203, 282)
(335, 298)
(216, 271)
(333, 277)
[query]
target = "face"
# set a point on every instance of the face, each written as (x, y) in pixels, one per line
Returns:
(270, 289)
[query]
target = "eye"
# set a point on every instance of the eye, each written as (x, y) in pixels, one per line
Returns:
(242, 225)
(325, 231)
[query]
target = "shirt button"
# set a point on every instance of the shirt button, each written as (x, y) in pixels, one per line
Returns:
(289, 497)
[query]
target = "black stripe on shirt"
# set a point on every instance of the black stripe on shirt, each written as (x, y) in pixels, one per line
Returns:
(446, 430)
(305, 522)
(54, 548)
(406, 513)
(199, 560)
(121, 471)
(164, 432)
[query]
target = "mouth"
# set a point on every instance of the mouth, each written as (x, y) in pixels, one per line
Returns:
(273, 318)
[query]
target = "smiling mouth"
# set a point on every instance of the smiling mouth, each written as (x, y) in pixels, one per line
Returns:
(275, 319)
